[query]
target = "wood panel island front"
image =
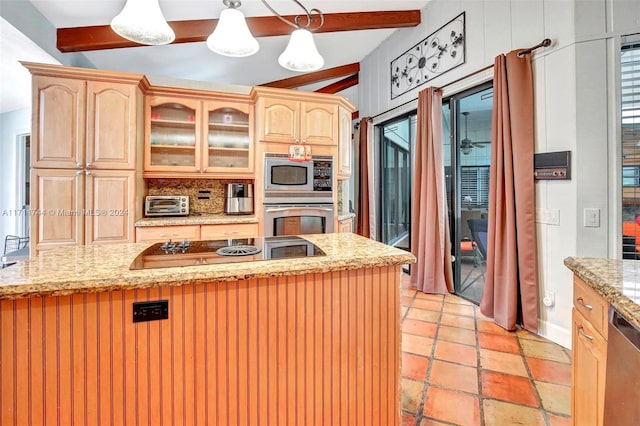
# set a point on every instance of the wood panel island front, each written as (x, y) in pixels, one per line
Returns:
(312, 341)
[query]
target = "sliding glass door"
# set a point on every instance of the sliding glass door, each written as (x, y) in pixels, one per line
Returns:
(397, 139)
(467, 156)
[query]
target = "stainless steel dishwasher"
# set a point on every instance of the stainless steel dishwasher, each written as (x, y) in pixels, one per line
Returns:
(622, 383)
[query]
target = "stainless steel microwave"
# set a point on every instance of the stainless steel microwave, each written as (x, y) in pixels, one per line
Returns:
(166, 205)
(288, 181)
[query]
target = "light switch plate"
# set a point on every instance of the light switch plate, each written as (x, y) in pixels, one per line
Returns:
(592, 217)
(548, 216)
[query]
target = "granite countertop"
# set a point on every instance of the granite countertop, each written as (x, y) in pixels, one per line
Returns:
(618, 281)
(97, 268)
(204, 219)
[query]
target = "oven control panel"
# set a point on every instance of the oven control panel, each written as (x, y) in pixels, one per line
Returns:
(322, 175)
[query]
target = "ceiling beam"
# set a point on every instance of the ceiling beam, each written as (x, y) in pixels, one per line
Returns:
(80, 39)
(339, 86)
(314, 77)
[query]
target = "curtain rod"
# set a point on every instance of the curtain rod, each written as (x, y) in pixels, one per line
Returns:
(544, 43)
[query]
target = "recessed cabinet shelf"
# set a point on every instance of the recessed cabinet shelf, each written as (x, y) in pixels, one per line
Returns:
(173, 123)
(153, 146)
(229, 126)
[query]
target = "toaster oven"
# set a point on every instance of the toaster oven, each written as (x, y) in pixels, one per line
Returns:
(166, 205)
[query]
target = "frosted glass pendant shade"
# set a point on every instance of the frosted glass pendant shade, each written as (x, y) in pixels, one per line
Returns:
(301, 54)
(142, 21)
(232, 37)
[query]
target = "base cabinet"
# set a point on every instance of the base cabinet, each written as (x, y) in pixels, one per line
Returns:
(231, 230)
(589, 353)
(157, 234)
(345, 225)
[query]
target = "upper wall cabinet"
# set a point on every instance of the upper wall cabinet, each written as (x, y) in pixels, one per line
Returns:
(83, 123)
(194, 138)
(172, 134)
(291, 121)
(229, 130)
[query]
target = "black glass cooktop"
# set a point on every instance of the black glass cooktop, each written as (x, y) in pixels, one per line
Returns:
(208, 252)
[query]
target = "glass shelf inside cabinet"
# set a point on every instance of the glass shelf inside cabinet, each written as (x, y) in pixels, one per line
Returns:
(228, 138)
(173, 135)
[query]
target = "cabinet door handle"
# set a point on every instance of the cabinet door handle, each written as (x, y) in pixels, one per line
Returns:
(88, 173)
(78, 173)
(580, 301)
(78, 165)
(204, 170)
(88, 164)
(198, 169)
(582, 333)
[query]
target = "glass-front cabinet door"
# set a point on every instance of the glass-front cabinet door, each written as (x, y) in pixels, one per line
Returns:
(172, 135)
(228, 131)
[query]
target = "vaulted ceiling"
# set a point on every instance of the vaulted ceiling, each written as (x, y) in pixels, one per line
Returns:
(352, 29)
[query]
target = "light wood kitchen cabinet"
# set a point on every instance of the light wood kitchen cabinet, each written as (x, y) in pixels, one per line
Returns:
(589, 349)
(82, 207)
(110, 205)
(86, 148)
(172, 136)
(229, 138)
(157, 234)
(292, 121)
(231, 230)
(58, 133)
(196, 232)
(80, 123)
(345, 145)
(345, 225)
(192, 138)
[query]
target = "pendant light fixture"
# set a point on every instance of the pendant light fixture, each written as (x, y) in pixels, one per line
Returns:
(142, 21)
(232, 37)
(301, 54)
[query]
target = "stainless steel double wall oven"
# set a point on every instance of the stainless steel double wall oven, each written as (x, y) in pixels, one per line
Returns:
(298, 196)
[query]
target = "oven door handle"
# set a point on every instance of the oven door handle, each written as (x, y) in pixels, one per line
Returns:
(284, 209)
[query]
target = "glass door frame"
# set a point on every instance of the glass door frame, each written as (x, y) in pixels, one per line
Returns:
(382, 157)
(455, 205)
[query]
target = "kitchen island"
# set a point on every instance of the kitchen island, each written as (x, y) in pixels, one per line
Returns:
(605, 365)
(616, 281)
(299, 341)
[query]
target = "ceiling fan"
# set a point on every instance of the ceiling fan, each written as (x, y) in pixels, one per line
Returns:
(466, 144)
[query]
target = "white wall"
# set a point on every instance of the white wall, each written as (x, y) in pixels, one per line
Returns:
(12, 124)
(575, 105)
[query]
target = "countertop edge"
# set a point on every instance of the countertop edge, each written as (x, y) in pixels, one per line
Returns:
(623, 304)
(13, 292)
(104, 268)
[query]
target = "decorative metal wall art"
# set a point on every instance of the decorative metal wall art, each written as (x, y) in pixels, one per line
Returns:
(440, 52)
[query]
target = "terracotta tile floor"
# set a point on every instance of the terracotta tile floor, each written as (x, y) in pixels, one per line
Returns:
(459, 368)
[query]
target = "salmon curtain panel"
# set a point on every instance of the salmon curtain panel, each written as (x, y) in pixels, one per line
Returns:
(430, 241)
(365, 139)
(511, 286)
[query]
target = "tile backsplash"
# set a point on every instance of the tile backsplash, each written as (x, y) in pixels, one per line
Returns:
(205, 195)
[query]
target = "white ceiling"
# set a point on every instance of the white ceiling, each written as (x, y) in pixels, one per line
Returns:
(193, 61)
(15, 80)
